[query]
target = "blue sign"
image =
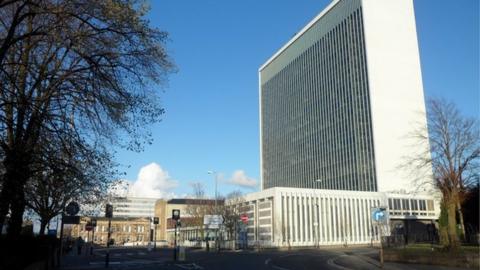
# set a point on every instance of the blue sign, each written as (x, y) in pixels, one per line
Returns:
(379, 215)
(52, 232)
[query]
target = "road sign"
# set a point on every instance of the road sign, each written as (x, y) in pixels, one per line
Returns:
(109, 211)
(72, 208)
(244, 218)
(176, 214)
(380, 215)
(71, 219)
(88, 227)
(212, 220)
(155, 220)
(93, 222)
(212, 226)
(52, 232)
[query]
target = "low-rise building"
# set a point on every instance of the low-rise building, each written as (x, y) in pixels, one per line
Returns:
(133, 231)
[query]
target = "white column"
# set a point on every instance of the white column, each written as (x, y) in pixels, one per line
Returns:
(302, 218)
(329, 219)
(310, 219)
(362, 219)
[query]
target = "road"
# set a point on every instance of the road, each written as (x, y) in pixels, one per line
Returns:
(307, 259)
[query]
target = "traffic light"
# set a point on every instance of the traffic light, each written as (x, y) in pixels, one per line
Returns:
(109, 211)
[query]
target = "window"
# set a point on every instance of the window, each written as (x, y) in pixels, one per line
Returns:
(430, 205)
(422, 205)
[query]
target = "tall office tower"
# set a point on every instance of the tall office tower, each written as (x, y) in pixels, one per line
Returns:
(338, 101)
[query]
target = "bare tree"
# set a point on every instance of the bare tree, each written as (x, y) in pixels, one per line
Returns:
(61, 176)
(454, 151)
(231, 212)
(78, 72)
(197, 208)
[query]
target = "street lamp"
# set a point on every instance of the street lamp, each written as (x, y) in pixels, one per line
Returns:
(216, 184)
(318, 181)
(216, 211)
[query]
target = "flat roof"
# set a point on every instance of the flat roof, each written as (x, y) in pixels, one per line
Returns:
(297, 36)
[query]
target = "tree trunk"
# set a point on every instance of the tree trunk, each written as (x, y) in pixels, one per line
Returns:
(460, 217)
(16, 166)
(5, 199)
(17, 208)
(43, 224)
(452, 225)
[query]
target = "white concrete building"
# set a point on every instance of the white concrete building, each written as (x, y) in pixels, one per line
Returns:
(285, 217)
(340, 99)
(337, 104)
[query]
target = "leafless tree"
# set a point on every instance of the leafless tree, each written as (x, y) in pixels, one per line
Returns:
(77, 72)
(231, 212)
(61, 176)
(453, 153)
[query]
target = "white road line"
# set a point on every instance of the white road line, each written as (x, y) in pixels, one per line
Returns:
(267, 261)
(331, 262)
(94, 263)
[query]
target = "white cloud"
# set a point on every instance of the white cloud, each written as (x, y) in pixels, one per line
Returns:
(239, 178)
(153, 182)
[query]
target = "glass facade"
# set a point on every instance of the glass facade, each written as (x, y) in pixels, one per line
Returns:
(316, 129)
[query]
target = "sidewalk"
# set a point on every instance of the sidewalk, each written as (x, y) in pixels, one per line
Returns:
(370, 258)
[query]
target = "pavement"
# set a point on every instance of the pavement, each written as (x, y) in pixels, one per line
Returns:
(301, 259)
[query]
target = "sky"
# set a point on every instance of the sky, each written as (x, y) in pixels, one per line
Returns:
(211, 120)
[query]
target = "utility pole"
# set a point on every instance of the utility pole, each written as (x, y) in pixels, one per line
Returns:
(109, 215)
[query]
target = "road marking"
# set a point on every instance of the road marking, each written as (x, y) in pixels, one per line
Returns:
(331, 262)
(94, 263)
(267, 261)
(189, 266)
(142, 253)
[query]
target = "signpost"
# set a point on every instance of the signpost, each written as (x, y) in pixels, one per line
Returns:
(213, 222)
(109, 215)
(176, 218)
(71, 209)
(244, 218)
(155, 222)
(381, 219)
(93, 223)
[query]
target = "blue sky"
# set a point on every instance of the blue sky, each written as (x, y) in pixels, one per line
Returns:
(211, 119)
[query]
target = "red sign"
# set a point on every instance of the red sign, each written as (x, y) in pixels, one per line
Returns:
(244, 218)
(88, 228)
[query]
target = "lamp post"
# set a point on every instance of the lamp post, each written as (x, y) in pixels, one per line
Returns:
(215, 209)
(216, 184)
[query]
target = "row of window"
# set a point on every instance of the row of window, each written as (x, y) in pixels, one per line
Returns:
(411, 207)
(316, 122)
(313, 219)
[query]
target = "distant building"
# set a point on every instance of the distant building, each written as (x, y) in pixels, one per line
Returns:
(133, 206)
(191, 218)
(133, 231)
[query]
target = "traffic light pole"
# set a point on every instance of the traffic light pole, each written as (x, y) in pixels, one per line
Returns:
(91, 245)
(155, 238)
(107, 258)
(175, 244)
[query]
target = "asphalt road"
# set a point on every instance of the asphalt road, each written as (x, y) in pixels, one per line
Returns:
(308, 259)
